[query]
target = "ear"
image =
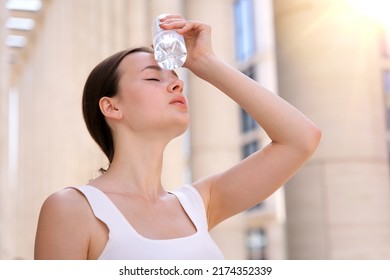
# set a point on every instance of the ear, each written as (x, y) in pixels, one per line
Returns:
(109, 108)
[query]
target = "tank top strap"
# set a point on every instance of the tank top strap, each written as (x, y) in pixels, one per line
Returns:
(103, 208)
(193, 205)
(106, 211)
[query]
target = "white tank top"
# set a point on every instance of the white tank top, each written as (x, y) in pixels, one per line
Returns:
(124, 243)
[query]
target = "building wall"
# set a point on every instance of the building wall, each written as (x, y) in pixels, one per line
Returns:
(338, 207)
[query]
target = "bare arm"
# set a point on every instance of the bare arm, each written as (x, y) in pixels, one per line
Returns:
(293, 136)
(293, 140)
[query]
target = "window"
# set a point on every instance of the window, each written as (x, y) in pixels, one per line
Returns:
(250, 148)
(245, 49)
(386, 82)
(255, 208)
(13, 135)
(388, 152)
(250, 72)
(385, 43)
(244, 29)
(247, 122)
(256, 244)
(388, 117)
(386, 87)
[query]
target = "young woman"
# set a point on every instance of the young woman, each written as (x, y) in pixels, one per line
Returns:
(132, 109)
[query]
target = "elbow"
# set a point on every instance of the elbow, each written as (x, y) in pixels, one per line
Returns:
(312, 139)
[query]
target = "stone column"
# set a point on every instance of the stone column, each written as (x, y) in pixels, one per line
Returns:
(3, 131)
(338, 206)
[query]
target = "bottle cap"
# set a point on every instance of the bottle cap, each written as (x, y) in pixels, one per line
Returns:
(156, 24)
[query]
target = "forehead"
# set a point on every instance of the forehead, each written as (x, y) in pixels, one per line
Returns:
(138, 62)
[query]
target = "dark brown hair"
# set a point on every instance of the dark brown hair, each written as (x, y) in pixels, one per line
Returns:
(103, 81)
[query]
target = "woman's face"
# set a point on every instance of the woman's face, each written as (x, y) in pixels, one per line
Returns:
(150, 97)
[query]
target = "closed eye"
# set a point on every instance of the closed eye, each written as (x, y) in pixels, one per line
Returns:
(153, 79)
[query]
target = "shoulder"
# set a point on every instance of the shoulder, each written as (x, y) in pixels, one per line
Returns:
(68, 206)
(66, 201)
(59, 228)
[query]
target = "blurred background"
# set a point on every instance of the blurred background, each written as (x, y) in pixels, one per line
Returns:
(329, 58)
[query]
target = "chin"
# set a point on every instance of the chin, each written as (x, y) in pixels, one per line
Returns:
(184, 128)
(181, 126)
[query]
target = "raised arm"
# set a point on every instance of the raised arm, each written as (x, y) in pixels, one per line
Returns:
(293, 136)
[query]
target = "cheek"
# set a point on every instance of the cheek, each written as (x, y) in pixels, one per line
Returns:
(142, 110)
(148, 104)
(139, 98)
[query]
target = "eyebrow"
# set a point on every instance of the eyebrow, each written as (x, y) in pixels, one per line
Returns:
(157, 68)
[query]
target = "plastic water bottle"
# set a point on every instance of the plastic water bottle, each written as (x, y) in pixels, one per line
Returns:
(170, 50)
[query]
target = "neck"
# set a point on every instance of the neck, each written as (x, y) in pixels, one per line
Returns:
(136, 167)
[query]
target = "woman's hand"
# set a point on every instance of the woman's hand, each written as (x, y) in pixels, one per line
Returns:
(197, 37)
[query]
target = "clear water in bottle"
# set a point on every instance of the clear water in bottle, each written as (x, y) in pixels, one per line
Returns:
(169, 48)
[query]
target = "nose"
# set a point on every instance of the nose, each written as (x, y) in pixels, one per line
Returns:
(176, 86)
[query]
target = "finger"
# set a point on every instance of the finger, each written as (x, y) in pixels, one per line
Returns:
(170, 19)
(170, 16)
(187, 26)
(173, 23)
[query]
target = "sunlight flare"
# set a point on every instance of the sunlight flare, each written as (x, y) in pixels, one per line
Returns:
(377, 10)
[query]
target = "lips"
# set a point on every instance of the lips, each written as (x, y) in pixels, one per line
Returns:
(179, 100)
